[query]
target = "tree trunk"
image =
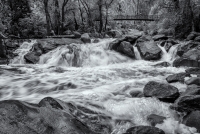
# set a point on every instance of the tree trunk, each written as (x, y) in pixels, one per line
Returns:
(48, 18)
(100, 16)
(80, 11)
(106, 21)
(75, 22)
(186, 24)
(57, 18)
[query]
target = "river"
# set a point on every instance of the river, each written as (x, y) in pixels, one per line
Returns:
(103, 78)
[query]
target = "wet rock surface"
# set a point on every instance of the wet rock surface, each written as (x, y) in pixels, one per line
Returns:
(144, 130)
(193, 80)
(180, 77)
(189, 59)
(193, 70)
(149, 50)
(164, 92)
(187, 103)
(50, 116)
(155, 119)
(160, 37)
(193, 120)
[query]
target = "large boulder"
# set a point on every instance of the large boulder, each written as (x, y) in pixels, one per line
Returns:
(86, 38)
(160, 37)
(155, 119)
(163, 92)
(32, 58)
(149, 50)
(180, 77)
(50, 116)
(193, 80)
(34, 55)
(22, 118)
(144, 130)
(187, 103)
(186, 47)
(190, 59)
(193, 120)
(123, 47)
(126, 48)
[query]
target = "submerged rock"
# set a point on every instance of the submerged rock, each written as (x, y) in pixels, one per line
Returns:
(193, 120)
(50, 116)
(149, 50)
(187, 103)
(144, 130)
(163, 64)
(180, 77)
(163, 92)
(96, 41)
(155, 119)
(136, 94)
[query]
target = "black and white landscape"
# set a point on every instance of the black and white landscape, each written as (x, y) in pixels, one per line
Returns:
(99, 66)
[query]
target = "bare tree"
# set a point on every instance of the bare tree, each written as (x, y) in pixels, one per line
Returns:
(48, 18)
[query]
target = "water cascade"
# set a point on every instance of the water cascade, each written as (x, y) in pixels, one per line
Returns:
(92, 75)
(168, 56)
(21, 51)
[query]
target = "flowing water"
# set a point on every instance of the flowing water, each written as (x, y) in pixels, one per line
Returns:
(93, 75)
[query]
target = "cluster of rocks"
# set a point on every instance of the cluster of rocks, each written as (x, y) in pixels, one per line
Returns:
(50, 116)
(43, 46)
(189, 54)
(187, 102)
(146, 45)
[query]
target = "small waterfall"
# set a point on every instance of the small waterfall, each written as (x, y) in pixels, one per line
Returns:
(93, 54)
(137, 53)
(168, 56)
(21, 51)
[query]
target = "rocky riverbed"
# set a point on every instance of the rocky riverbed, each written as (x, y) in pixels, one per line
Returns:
(135, 84)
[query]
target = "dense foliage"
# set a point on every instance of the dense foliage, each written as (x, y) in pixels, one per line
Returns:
(38, 18)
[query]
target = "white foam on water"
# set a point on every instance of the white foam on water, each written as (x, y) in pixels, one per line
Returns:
(168, 56)
(21, 51)
(101, 77)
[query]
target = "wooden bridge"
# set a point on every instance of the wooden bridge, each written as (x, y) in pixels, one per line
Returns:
(133, 17)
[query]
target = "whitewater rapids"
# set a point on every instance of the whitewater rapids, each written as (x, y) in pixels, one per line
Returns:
(102, 77)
